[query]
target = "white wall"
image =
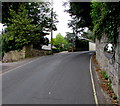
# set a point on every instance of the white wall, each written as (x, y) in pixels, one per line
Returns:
(92, 46)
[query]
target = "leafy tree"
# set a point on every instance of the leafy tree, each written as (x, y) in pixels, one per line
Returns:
(76, 43)
(20, 32)
(39, 15)
(80, 13)
(60, 42)
(5, 10)
(39, 12)
(99, 17)
(71, 38)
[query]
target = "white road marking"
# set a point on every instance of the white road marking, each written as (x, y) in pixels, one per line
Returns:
(18, 67)
(93, 84)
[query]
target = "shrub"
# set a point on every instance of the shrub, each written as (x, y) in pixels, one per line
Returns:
(56, 50)
(105, 75)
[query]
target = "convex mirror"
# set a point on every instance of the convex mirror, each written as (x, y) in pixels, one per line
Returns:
(109, 50)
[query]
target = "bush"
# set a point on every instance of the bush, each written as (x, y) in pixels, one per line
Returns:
(105, 75)
(56, 50)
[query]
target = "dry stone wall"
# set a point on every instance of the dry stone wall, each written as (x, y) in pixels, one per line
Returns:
(13, 56)
(26, 52)
(111, 66)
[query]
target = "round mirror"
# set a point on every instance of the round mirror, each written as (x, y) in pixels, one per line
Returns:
(109, 50)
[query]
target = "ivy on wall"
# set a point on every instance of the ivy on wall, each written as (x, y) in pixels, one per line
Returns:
(106, 19)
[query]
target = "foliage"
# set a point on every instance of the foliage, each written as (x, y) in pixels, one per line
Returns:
(105, 75)
(101, 17)
(76, 43)
(30, 26)
(39, 12)
(41, 15)
(60, 42)
(71, 38)
(5, 8)
(56, 50)
(80, 13)
(20, 32)
(106, 19)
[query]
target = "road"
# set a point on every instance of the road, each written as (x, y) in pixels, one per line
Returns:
(54, 79)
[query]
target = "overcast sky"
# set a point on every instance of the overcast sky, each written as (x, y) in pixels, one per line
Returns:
(62, 17)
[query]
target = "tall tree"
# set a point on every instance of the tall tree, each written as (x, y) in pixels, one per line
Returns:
(76, 43)
(40, 15)
(20, 31)
(80, 13)
(39, 12)
(5, 10)
(71, 38)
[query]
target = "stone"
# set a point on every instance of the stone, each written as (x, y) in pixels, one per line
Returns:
(26, 52)
(111, 66)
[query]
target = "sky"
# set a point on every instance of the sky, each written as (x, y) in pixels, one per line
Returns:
(62, 17)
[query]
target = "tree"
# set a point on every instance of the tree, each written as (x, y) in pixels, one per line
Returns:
(40, 16)
(60, 42)
(5, 10)
(76, 43)
(39, 12)
(80, 13)
(73, 40)
(20, 32)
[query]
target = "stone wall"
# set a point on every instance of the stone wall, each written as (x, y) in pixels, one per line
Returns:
(13, 56)
(26, 52)
(111, 66)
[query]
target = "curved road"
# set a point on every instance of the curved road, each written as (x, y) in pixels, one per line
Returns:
(55, 79)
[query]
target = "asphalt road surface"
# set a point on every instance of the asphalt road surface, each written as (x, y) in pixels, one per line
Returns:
(54, 79)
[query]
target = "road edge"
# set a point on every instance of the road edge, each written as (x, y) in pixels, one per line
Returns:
(93, 84)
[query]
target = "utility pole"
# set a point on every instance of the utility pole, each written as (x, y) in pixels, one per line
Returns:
(51, 26)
